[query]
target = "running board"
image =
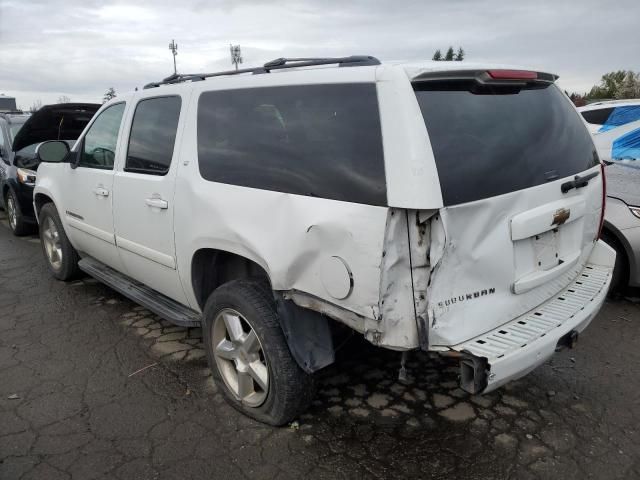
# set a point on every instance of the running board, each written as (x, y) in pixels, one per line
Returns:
(159, 304)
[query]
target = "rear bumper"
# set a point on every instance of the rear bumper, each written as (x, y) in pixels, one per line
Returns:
(514, 349)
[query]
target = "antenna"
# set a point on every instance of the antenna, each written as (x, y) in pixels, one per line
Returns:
(173, 46)
(236, 55)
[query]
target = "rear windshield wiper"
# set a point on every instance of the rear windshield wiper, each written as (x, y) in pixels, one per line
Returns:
(577, 182)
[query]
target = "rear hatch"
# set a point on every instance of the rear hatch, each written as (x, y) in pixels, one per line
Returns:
(517, 226)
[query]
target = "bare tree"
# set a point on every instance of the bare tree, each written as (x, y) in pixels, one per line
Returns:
(63, 99)
(35, 106)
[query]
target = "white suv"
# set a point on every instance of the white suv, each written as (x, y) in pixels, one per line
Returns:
(448, 207)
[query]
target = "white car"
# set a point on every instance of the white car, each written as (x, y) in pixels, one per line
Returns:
(412, 203)
(615, 126)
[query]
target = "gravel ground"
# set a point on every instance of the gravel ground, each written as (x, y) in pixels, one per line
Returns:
(93, 386)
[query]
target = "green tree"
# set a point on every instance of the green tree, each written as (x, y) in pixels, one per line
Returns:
(460, 55)
(109, 94)
(449, 55)
(437, 56)
(610, 83)
(629, 87)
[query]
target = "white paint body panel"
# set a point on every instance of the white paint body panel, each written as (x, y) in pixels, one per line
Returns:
(144, 232)
(487, 244)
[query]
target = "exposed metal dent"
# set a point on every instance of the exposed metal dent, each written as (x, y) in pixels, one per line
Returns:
(419, 245)
(397, 313)
(335, 312)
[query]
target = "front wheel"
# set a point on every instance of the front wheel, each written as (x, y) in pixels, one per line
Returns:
(16, 220)
(61, 257)
(249, 357)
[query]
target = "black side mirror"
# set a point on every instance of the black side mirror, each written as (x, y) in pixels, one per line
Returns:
(52, 151)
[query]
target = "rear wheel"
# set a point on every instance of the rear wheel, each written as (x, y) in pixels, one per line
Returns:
(61, 257)
(249, 356)
(16, 220)
(621, 269)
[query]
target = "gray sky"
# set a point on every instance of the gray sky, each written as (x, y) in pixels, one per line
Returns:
(79, 48)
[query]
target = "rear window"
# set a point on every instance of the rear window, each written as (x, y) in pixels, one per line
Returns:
(598, 116)
(314, 140)
(491, 141)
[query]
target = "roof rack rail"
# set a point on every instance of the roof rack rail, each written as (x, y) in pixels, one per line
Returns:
(277, 64)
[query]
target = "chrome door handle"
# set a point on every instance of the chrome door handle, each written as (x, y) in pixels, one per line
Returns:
(100, 191)
(157, 203)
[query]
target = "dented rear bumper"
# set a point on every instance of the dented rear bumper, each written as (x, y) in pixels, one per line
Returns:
(512, 350)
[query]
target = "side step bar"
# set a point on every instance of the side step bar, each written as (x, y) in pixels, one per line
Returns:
(159, 304)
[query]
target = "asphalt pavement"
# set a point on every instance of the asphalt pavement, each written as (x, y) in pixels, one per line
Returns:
(93, 386)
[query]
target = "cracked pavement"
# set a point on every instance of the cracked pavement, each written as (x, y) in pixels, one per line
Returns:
(94, 386)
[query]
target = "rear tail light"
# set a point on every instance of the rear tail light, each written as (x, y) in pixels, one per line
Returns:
(512, 74)
(604, 198)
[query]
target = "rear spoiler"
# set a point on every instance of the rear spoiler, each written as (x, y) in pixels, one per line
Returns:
(490, 77)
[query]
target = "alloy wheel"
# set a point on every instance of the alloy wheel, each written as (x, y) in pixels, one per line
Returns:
(52, 244)
(11, 211)
(240, 358)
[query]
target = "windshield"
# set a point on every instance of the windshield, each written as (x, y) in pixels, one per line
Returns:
(492, 141)
(14, 128)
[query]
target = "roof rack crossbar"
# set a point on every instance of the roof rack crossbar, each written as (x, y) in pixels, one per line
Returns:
(277, 64)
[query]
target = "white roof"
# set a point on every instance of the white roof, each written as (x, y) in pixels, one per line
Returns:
(609, 104)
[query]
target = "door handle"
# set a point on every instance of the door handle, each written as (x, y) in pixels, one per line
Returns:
(157, 203)
(100, 191)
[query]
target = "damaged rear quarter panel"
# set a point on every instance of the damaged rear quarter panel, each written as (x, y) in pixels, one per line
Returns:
(291, 236)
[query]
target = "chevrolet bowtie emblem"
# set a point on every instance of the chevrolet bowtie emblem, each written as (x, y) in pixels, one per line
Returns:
(561, 216)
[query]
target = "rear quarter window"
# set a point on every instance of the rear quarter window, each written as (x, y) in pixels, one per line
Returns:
(493, 141)
(314, 140)
(597, 116)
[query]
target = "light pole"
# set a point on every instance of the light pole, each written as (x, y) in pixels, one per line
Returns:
(236, 55)
(173, 46)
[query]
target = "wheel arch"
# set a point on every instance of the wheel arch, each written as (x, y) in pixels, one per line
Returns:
(308, 333)
(40, 200)
(211, 268)
(610, 230)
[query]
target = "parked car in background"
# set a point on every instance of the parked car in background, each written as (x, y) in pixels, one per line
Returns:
(615, 127)
(622, 223)
(412, 203)
(19, 164)
(10, 123)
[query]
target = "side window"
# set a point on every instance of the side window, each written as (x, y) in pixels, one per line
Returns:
(314, 140)
(99, 144)
(153, 135)
(598, 116)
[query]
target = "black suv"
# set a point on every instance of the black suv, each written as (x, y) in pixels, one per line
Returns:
(21, 134)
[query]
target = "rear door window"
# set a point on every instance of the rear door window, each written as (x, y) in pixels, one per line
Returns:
(493, 141)
(153, 135)
(314, 140)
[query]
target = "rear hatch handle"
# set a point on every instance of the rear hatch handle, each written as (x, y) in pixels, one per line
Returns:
(578, 182)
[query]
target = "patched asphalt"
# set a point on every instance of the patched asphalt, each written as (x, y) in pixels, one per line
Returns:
(94, 386)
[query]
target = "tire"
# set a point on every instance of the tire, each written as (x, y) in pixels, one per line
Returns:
(16, 219)
(63, 264)
(289, 389)
(620, 278)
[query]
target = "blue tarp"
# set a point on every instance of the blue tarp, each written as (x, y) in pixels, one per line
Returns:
(621, 116)
(627, 147)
